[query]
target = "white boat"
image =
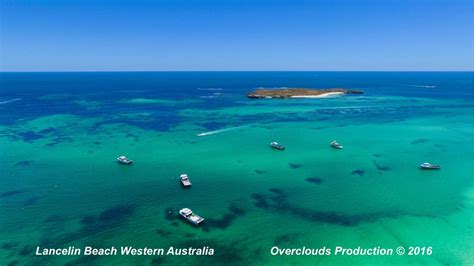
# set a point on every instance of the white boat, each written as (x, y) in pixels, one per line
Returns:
(124, 160)
(185, 180)
(336, 145)
(190, 216)
(277, 146)
(429, 166)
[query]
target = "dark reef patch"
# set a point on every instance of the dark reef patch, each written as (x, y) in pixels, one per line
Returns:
(47, 131)
(24, 163)
(161, 121)
(163, 233)
(29, 136)
(9, 245)
(116, 213)
(213, 125)
(236, 210)
(419, 141)
(278, 197)
(88, 220)
(358, 172)
(260, 201)
(278, 201)
(13, 263)
(25, 251)
(314, 180)
(11, 193)
(30, 201)
(225, 221)
(133, 136)
(260, 172)
(175, 224)
(285, 239)
(108, 219)
(294, 165)
(276, 117)
(158, 261)
(381, 167)
(377, 155)
(59, 139)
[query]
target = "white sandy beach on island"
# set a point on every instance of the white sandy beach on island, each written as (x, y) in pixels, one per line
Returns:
(324, 95)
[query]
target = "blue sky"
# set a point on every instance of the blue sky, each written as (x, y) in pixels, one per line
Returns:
(70, 35)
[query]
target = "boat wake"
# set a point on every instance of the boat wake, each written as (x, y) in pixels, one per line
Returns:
(412, 85)
(9, 101)
(422, 86)
(217, 131)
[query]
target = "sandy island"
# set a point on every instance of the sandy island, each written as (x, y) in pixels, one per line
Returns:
(324, 95)
(300, 93)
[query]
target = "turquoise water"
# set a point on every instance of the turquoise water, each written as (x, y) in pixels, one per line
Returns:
(60, 185)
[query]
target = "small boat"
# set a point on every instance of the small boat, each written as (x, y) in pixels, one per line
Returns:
(124, 160)
(276, 146)
(336, 145)
(185, 180)
(190, 216)
(429, 166)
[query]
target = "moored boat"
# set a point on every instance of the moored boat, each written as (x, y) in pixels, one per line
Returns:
(428, 166)
(187, 214)
(276, 146)
(185, 180)
(336, 145)
(124, 160)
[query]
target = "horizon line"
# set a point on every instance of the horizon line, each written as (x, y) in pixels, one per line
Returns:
(112, 71)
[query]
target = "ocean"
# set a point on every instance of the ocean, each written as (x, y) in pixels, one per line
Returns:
(61, 186)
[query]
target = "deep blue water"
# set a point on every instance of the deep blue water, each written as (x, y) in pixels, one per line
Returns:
(177, 84)
(111, 87)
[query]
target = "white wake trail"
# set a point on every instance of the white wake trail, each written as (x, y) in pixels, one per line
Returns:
(9, 101)
(218, 131)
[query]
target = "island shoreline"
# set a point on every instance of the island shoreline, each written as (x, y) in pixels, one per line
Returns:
(299, 93)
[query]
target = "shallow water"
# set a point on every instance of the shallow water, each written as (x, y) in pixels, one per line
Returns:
(61, 132)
